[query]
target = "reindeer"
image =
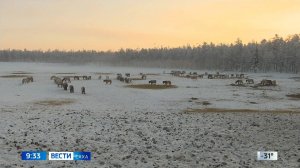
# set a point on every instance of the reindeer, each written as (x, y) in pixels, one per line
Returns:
(71, 87)
(84, 77)
(76, 77)
(194, 77)
(66, 79)
(210, 76)
(178, 73)
(127, 80)
(89, 78)
(249, 81)
(119, 76)
(30, 79)
(59, 82)
(200, 76)
(65, 86)
(25, 80)
(127, 74)
(222, 76)
(144, 77)
(152, 82)
(99, 77)
(107, 81)
(239, 82)
(52, 77)
(167, 82)
(82, 90)
(216, 76)
(266, 82)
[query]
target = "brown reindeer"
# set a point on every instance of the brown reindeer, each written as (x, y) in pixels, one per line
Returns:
(65, 86)
(107, 81)
(266, 82)
(167, 82)
(76, 77)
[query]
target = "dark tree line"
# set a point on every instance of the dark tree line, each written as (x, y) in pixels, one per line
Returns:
(276, 55)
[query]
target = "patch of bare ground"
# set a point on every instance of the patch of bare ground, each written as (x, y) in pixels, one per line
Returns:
(136, 78)
(192, 87)
(154, 74)
(65, 73)
(58, 102)
(21, 72)
(14, 76)
(224, 110)
(148, 86)
(103, 73)
(294, 95)
(266, 76)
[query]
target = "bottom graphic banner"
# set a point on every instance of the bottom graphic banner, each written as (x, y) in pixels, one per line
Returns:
(82, 155)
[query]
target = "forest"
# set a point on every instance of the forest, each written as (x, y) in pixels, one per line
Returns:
(276, 54)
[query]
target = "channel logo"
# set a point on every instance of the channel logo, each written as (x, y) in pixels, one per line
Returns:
(69, 155)
(61, 156)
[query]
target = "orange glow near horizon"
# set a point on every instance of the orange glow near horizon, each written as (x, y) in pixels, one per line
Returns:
(111, 25)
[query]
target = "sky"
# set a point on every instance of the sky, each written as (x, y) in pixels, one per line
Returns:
(114, 24)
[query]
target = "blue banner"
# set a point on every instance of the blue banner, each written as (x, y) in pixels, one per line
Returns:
(82, 155)
(34, 155)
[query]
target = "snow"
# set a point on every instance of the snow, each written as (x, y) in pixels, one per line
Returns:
(146, 128)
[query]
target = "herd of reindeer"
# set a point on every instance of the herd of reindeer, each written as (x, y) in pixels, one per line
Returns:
(217, 75)
(64, 82)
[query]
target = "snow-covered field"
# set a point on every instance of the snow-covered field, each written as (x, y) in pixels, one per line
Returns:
(127, 127)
